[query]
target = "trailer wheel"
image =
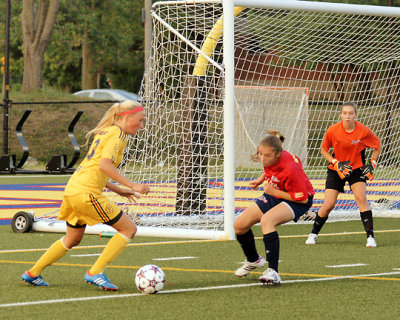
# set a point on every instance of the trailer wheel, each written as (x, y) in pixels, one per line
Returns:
(22, 222)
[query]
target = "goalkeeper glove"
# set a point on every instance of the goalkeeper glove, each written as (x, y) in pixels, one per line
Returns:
(342, 168)
(368, 170)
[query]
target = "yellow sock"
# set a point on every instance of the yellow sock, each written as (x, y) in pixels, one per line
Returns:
(55, 252)
(113, 248)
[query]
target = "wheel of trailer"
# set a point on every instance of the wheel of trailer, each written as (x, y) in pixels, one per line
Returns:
(22, 222)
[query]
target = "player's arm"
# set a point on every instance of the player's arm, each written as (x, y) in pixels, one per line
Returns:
(271, 190)
(106, 166)
(369, 168)
(256, 182)
(128, 193)
(343, 168)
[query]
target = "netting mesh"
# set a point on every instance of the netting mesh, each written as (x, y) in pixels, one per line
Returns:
(293, 70)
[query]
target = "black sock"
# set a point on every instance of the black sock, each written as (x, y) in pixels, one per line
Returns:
(271, 242)
(248, 245)
(318, 224)
(366, 218)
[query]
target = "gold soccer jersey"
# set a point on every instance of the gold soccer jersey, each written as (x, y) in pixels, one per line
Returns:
(108, 144)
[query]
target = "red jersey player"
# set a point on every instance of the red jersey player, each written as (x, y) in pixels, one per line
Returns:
(349, 140)
(288, 194)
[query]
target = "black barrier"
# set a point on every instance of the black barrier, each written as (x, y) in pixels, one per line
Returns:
(75, 144)
(58, 163)
(20, 135)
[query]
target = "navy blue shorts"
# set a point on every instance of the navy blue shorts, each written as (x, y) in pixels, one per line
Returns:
(267, 202)
(333, 181)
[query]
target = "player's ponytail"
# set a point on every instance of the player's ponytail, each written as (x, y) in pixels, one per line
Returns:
(111, 115)
(274, 139)
(278, 135)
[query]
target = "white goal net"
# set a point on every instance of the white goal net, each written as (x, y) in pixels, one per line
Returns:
(293, 68)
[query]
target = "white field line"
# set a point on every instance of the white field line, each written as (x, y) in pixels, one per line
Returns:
(174, 258)
(138, 244)
(28, 303)
(85, 255)
(35, 176)
(347, 265)
(197, 241)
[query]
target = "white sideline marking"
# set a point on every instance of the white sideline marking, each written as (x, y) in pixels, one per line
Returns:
(174, 258)
(103, 245)
(196, 241)
(85, 255)
(36, 176)
(28, 303)
(347, 265)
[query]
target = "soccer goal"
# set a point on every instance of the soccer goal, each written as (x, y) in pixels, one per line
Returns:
(221, 73)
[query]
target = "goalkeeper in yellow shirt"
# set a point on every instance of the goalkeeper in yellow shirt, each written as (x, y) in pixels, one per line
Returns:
(83, 203)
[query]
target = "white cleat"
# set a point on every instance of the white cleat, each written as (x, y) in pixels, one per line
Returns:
(270, 277)
(312, 238)
(247, 267)
(371, 243)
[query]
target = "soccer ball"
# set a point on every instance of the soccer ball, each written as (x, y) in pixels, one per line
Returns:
(150, 279)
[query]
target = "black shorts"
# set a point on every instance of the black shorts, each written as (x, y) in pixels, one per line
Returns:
(110, 223)
(334, 182)
(267, 202)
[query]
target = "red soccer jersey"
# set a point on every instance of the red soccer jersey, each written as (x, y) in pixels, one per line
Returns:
(288, 175)
(350, 145)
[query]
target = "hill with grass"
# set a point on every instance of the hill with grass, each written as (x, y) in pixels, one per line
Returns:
(46, 129)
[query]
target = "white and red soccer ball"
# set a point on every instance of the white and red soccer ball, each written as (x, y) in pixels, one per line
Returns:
(150, 279)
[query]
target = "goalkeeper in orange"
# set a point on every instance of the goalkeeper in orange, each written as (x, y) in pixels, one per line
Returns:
(83, 203)
(349, 140)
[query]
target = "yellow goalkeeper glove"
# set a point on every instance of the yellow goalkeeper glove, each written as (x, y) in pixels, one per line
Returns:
(342, 168)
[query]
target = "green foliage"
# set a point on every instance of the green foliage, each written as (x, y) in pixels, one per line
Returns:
(116, 38)
(16, 49)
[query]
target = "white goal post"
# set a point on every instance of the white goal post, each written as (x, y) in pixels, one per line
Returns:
(221, 73)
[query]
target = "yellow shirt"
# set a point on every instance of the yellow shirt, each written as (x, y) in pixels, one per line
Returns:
(110, 143)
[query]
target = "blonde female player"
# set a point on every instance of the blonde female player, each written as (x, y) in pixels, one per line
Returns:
(83, 202)
(349, 139)
(288, 194)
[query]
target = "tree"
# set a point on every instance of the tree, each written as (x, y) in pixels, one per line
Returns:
(113, 43)
(88, 37)
(37, 25)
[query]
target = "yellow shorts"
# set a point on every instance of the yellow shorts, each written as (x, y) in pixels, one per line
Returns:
(86, 208)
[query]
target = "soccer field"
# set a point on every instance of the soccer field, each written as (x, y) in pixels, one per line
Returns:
(339, 278)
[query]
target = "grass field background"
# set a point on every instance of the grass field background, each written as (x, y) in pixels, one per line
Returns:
(200, 281)
(339, 278)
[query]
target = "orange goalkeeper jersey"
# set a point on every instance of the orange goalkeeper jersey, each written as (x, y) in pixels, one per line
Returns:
(110, 143)
(350, 145)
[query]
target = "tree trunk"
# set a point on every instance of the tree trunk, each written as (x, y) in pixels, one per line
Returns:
(89, 76)
(33, 76)
(37, 26)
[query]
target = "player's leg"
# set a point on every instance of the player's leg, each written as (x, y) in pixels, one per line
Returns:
(360, 195)
(245, 237)
(126, 230)
(56, 251)
(330, 199)
(278, 215)
(333, 186)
